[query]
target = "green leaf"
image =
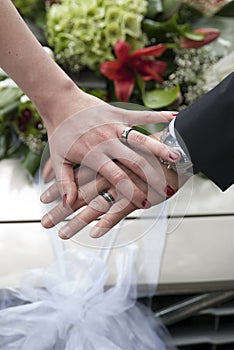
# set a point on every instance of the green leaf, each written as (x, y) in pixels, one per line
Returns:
(154, 7)
(159, 98)
(3, 145)
(9, 95)
(9, 108)
(169, 8)
(31, 162)
(149, 129)
(159, 30)
(188, 14)
(194, 36)
(141, 130)
(17, 152)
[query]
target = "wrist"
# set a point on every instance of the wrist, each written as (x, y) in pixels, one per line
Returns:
(56, 103)
(63, 101)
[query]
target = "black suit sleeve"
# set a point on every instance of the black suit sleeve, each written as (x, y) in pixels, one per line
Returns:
(206, 131)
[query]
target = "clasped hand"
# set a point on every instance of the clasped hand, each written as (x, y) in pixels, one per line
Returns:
(131, 173)
(92, 137)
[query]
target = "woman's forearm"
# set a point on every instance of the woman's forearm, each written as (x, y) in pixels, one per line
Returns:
(27, 63)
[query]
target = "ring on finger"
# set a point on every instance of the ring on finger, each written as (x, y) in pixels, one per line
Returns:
(108, 197)
(125, 133)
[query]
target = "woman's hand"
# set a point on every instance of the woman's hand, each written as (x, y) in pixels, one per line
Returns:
(81, 129)
(90, 188)
(92, 137)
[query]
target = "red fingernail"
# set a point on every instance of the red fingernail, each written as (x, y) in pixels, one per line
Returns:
(146, 204)
(175, 114)
(173, 155)
(169, 191)
(64, 200)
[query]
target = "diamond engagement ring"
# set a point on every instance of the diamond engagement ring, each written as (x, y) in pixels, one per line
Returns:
(125, 133)
(108, 197)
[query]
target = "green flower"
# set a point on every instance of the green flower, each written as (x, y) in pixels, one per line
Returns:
(112, 34)
(132, 25)
(83, 33)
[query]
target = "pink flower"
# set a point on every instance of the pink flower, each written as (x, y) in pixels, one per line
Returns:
(210, 34)
(127, 65)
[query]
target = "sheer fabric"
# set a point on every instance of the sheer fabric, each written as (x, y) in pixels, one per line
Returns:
(75, 311)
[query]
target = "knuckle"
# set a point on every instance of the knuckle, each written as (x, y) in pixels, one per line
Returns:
(118, 175)
(59, 213)
(163, 151)
(164, 148)
(139, 138)
(107, 221)
(139, 198)
(98, 205)
(120, 207)
(83, 195)
(102, 134)
(138, 163)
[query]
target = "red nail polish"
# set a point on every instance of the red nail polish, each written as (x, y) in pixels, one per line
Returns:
(175, 114)
(146, 204)
(169, 191)
(64, 200)
(173, 155)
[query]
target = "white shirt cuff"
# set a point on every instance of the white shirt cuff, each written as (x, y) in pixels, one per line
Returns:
(172, 132)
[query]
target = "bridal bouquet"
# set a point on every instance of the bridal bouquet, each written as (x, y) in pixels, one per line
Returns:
(151, 52)
(154, 53)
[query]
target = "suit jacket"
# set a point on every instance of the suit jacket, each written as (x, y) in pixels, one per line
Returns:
(205, 131)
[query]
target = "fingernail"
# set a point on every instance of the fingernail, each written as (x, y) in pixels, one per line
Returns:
(46, 222)
(169, 191)
(175, 114)
(43, 197)
(64, 200)
(173, 155)
(64, 233)
(146, 204)
(96, 232)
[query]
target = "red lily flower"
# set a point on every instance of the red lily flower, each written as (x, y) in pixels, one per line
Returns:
(127, 65)
(210, 34)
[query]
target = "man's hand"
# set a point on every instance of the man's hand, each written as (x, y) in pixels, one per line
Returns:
(90, 187)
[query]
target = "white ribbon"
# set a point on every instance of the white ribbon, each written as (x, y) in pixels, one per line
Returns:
(74, 311)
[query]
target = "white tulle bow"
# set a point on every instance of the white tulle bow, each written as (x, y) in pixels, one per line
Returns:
(76, 311)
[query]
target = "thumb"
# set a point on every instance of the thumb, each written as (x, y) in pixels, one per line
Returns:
(149, 117)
